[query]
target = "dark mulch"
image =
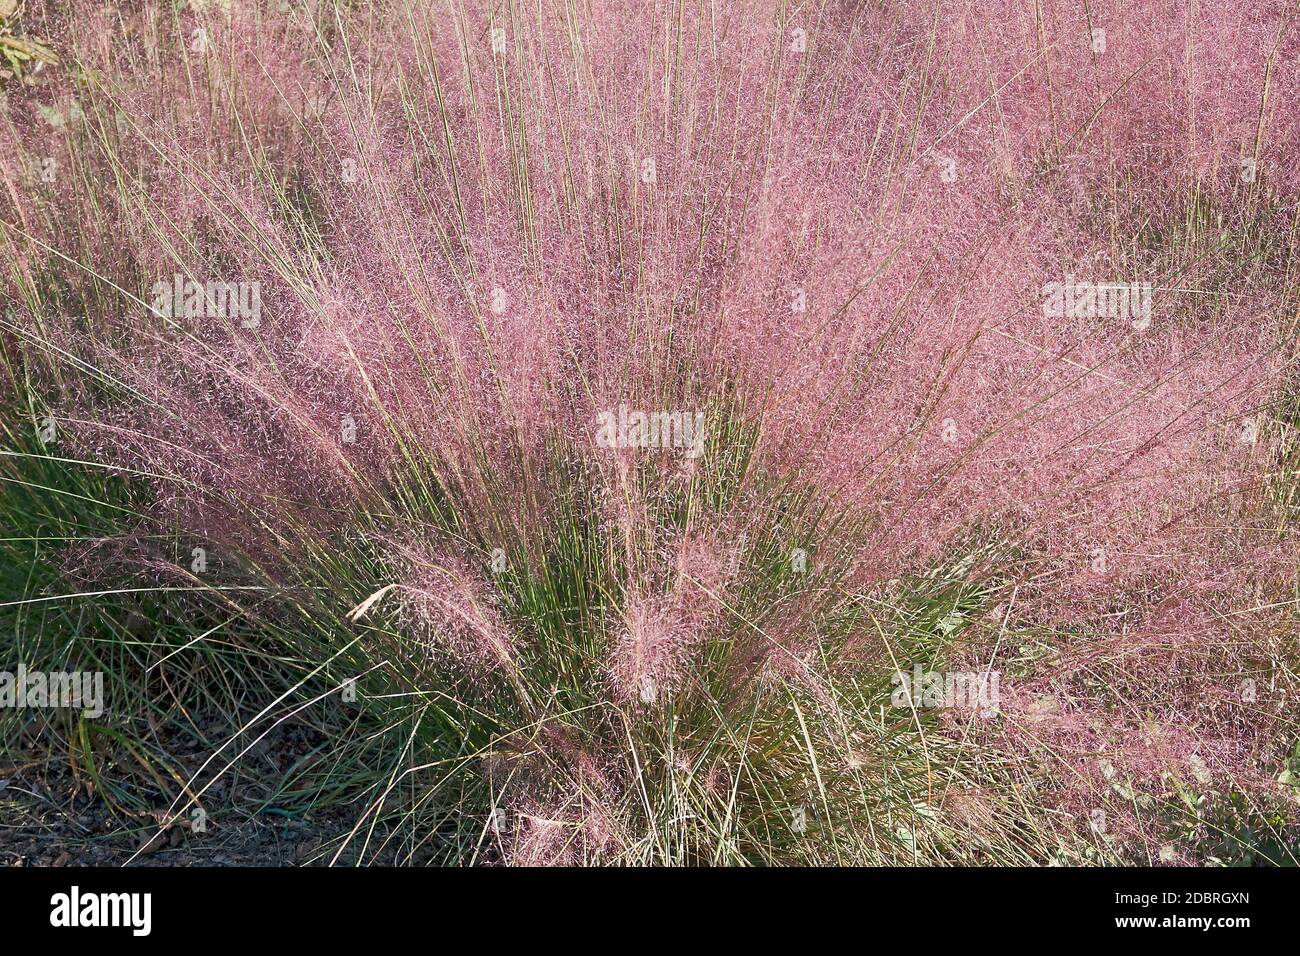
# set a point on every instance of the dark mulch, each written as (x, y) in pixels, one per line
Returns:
(51, 816)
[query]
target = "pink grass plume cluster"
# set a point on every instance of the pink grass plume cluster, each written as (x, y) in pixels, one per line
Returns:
(825, 236)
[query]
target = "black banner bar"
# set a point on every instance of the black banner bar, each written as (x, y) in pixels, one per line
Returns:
(315, 905)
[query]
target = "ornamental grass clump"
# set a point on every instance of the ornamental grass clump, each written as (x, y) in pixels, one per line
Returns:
(586, 416)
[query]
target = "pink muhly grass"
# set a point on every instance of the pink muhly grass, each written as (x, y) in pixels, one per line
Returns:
(447, 608)
(467, 255)
(660, 632)
(647, 657)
